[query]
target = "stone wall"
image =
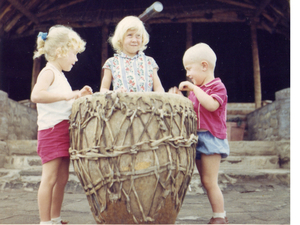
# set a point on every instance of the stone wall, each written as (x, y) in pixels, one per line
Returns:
(272, 121)
(17, 122)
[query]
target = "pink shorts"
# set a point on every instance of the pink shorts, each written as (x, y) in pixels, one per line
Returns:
(54, 142)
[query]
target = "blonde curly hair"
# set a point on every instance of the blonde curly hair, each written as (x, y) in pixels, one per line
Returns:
(59, 40)
(128, 23)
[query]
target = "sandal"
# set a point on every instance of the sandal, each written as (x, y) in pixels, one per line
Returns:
(218, 221)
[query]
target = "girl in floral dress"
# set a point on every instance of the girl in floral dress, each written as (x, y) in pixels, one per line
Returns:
(130, 70)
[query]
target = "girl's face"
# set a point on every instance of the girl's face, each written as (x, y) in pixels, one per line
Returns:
(67, 62)
(132, 42)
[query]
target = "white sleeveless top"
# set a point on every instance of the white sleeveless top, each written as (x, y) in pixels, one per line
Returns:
(50, 114)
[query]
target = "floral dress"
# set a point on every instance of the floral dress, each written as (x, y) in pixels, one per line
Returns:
(133, 73)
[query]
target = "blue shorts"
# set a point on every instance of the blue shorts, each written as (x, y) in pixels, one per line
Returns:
(209, 145)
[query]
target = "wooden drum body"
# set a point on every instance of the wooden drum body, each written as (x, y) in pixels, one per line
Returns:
(134, 154)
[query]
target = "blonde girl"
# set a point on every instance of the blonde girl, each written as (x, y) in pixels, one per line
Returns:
(54, 98)
(130, 70)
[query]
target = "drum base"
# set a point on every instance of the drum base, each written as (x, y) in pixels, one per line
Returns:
(117, 213)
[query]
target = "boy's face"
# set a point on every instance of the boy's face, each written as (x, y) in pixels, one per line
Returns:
(195, 71)
(132, 42)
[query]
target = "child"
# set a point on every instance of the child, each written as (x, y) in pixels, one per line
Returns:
(209, 97)
(130, 69)
(54, 98)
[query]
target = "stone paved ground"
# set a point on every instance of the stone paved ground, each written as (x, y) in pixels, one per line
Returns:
(247, 203)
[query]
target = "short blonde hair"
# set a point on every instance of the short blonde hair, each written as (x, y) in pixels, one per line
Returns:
(59, 40)
(128, 23)
(200, 52)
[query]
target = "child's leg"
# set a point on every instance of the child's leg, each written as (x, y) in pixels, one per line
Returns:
(208, 168)
(59, 188)
(49, 177)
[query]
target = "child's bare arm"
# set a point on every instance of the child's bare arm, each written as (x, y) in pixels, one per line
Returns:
(205, 100)
(157, 86)
(41, 95)
(106, 81)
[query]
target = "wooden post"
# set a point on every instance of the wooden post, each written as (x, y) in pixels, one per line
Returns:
(256, 66)
(35, 70)
(104, 53)
(189, 43)
(189, 35)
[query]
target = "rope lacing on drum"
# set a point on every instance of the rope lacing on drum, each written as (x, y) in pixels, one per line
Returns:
(176, 131)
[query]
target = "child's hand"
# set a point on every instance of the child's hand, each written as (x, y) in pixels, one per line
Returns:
(71, 95)
(186, 86)
(86, 90)
(175, 90)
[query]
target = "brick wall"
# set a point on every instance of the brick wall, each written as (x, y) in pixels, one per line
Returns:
(17, 122)
(272, 121)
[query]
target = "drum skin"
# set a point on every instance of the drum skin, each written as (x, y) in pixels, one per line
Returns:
(134, 154)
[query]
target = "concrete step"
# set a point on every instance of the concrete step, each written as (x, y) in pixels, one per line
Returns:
(232, 117)
(240, 108)
(21, 147)
(28, 147)
(257, 162)
(30, 179)
(249, 162)
(22, 162)
(241, 179)
(22, 154)
(280, 176)
(258, 148)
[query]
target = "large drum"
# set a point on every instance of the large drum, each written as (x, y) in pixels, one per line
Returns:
(133, 154)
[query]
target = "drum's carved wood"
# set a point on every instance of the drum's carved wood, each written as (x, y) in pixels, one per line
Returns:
(133, 154)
